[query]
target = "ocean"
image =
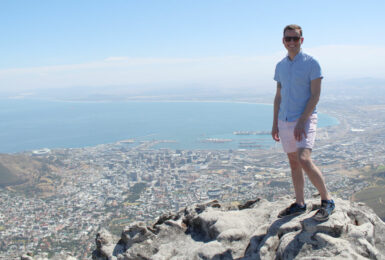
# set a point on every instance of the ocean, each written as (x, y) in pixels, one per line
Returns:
(35, 124)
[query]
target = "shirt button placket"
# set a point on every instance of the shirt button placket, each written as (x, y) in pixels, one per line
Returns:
(290, 87)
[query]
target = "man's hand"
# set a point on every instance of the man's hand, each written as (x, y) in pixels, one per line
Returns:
(274, 133)
(315, 89)
(299, 130)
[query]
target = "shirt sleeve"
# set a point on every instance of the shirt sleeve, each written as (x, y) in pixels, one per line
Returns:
(276, 74)
(316, 71)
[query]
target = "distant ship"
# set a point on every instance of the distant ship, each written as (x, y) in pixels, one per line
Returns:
(249, 144)
(357, 130)
(216, 140)
(127, 141)
(251, 133)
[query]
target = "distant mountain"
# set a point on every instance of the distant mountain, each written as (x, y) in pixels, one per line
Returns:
(7, 177)
(361, 88)
(364, 89)
(148, 93)
(17, 169)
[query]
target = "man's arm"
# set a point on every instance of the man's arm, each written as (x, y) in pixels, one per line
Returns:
(277, 103)
(315, 88)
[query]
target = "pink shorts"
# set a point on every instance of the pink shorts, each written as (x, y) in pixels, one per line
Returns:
(286, 134)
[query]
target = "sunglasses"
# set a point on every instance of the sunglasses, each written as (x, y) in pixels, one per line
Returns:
(294, 38)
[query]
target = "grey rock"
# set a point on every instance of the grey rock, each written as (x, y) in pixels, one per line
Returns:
(248, 204)
(136, 233)
(252, 231)
(107, 246)
(26, 257)
(57, 256)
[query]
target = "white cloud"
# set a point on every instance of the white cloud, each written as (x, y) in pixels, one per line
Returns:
(225, 71)
(351, 61)
(338, 62)
(116, 58)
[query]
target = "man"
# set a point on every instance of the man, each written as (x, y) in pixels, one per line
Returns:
(298, 78)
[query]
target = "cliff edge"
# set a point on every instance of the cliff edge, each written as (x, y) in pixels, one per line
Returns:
(250, 231)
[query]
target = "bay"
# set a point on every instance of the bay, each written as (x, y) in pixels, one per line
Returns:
(34, 124)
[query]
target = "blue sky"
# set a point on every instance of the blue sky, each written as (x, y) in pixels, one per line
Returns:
(62, 44)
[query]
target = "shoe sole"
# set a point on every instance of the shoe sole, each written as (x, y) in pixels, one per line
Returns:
(319, 219)
(291, 215)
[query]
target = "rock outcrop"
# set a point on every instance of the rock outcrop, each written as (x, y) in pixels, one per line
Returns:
(250, 231)
(56, 257)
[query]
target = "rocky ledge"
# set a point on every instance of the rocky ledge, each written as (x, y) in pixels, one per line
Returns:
(249, 231)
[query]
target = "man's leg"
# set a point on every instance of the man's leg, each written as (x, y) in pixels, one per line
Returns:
(312, 171)
(290, 148)
(297, 177)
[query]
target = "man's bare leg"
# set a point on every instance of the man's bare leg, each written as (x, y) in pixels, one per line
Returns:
(312, 171)
(297, 177)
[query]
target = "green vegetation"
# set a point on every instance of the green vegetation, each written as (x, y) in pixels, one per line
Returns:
(116, 225)
(115, 229)
(138, 187)
(132, 198)
(29, 191)
(134, 192)
(381, 168)
(6, 176)
(121, 221)
(374, 197)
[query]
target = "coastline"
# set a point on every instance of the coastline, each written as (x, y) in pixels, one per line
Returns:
(88, 124)
(138, 100)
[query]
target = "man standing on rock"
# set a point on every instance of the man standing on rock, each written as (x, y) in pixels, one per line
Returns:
(298, 78)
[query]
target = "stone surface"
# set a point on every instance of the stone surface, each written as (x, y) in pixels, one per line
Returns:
(26, 257)
(107, 246)
(56, 257)
(250, 231)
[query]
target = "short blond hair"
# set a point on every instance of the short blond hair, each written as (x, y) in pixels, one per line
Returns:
(292, 27)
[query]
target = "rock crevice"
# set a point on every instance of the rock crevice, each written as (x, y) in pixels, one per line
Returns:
(249, 231)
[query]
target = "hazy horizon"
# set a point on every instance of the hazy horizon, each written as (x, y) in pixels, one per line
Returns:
(179, 48)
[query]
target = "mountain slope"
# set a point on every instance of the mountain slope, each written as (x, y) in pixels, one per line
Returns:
(6, 176)
(16, 169)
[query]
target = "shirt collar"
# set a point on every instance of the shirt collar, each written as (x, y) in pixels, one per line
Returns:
(299, 54)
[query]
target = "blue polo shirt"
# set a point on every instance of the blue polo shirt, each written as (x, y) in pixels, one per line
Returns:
(295, 77)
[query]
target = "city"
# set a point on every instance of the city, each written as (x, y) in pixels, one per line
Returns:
(111, 185)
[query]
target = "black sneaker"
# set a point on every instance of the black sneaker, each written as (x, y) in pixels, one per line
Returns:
(327, 207)
(293, 210)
